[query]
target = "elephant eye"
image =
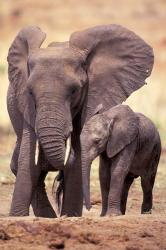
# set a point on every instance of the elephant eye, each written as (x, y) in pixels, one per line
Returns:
(97, 140)
(74, 90)
(31, 92)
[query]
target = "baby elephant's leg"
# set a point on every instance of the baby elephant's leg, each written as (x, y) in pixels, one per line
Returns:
(127, 183)
(148, 179)
(147, 183)
(104, 175)
(119, 169)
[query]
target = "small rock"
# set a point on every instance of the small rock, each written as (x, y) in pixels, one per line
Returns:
(146, 234)
(59, 244)
(4, 235)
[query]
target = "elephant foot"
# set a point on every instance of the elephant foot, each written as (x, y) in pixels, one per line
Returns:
(103, 213)
(147, 212)
(18, 212)
(45, 213)
(42, 210)
(111, 213)
(41, 205)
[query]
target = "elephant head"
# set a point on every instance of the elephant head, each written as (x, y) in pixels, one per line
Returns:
(104, 64)
(110, 132)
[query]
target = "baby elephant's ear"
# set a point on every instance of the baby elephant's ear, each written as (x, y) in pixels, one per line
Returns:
(124, 129)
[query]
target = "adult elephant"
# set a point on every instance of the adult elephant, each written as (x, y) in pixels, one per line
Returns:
(53, 91)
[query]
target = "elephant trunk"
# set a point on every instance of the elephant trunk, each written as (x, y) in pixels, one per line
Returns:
(53, 140)
(86, 167)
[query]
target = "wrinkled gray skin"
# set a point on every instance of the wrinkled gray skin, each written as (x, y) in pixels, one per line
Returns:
(53, 91)
(129, 146)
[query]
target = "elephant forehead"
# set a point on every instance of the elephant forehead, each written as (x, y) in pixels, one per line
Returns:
(95, 126)
(53, 56)
(98, 129)
(56, 67)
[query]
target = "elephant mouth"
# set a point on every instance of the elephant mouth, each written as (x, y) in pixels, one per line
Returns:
(57, 154)
(55, 141)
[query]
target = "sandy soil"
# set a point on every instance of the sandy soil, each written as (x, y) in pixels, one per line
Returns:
(124, 232)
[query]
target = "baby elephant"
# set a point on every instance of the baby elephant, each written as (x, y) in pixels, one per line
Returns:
(129, 146)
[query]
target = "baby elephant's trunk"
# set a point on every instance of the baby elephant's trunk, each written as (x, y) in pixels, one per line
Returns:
(86, 167)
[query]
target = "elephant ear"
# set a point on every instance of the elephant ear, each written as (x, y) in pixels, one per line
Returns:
(98, 109)
(117, 62)
(124, 129)
(26, 42)
(30, 110)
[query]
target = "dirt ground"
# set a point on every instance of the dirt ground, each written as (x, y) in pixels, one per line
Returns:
(124, 232)
(130, 232)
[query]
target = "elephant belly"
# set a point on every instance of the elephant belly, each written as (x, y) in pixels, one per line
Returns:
(141, 163)
(146, 141)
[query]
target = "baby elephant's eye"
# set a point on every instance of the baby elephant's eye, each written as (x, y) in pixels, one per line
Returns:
(97, 140)
(73, 91)
(30, 91)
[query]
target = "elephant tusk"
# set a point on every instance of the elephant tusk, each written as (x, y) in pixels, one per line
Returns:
(68, 149)
(36, 152)
(57, 192)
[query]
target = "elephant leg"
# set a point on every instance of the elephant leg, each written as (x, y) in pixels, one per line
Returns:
(147, 183)
(127, 183)
(26, 176)
(40, 202)
(119, 169)
(104, 175)
(72, 203)
(17, 122)
(73, 198)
